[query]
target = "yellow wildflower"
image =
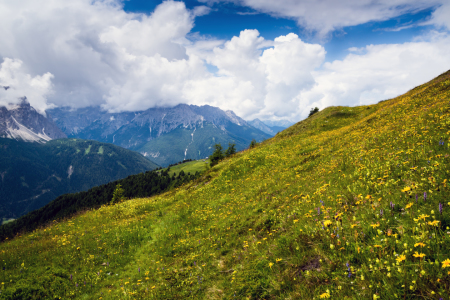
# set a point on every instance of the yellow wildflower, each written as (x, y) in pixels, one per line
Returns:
(327, 223)
(419, 244)
(401, 258)
(434, 223)
(446, 263)
(419, 255)
(324, 295)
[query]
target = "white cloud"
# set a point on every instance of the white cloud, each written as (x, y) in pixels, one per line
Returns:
(256, 80)
(93, 48)
(378, 73)
(326, 16)
(15, 84)
(84, 52)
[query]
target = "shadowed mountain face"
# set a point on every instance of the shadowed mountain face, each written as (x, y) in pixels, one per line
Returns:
(23, 122)
(165, 135)
(33, 174)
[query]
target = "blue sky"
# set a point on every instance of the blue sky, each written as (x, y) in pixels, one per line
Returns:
(228, 19)
(272, 60)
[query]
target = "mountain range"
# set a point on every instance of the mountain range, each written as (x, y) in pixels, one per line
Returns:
(164, 135)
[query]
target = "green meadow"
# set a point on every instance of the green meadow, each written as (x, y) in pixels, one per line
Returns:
(351, 203)
(189, 167)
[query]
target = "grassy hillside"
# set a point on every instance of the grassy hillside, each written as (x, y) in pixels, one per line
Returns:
(191, 167)
(350, 203)
(65, 206)
(34, 174)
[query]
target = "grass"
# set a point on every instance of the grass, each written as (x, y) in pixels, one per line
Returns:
(7, 220)
(350, 203)
(190, 167)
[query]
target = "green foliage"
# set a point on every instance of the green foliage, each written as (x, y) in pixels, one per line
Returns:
(313, 111)
(230, 150)
(117, 194)
(217, 155)
(316, 212)
(253, 144)
(189, 167)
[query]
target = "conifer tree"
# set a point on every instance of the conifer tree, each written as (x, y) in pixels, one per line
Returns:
(217, 155)
(231, 149)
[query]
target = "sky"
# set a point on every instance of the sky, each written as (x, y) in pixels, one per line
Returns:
(272, 60)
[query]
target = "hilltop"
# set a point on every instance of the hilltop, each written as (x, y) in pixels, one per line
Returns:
(349, 203)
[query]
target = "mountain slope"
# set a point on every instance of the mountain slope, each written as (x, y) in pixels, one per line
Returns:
(165, 135)
(350, 203)
(33, 174)
(23, 122)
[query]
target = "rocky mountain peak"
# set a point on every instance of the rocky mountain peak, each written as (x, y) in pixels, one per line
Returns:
(22, 122)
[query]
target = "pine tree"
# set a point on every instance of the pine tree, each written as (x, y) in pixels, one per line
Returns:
(231, 149)
(217, 155)
(117, 194)
(313, 111)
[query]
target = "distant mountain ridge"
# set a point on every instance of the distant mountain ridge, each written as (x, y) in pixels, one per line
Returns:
(270, 127)
(33, 174)
(166, 135)
(23, 122)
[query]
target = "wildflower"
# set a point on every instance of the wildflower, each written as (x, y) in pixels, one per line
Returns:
(421, 255)
(409, 205)
(374, 225)
(279, 259)
(270, 265)
(424, 196)
(434, 223)
(440, 208)
(401, 258)
(327, 223)
(392, 205)
(381, 212)
(419, 244)
(324, 296)
(331, 246)
(417, 197)
(446, 263)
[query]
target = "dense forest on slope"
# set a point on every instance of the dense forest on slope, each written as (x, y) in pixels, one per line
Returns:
(351, 203)
(135, 186)
(33, 174)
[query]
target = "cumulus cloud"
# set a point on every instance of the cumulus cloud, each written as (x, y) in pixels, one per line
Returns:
(377, 72)
(93, 47)
(325, 16)
(257, 77)
(82, 52)
(15, 84)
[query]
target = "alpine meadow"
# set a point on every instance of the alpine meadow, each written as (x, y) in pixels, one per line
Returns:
(351, 203)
